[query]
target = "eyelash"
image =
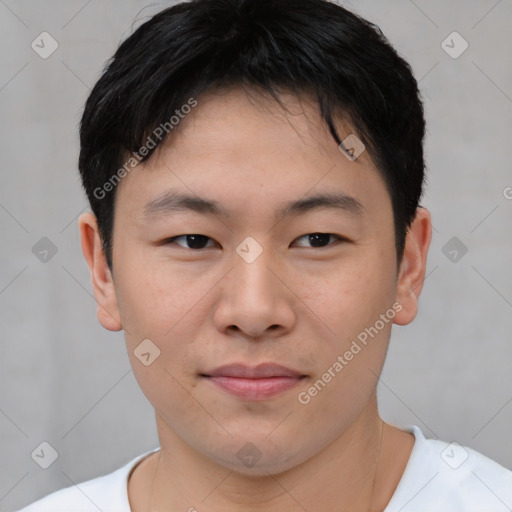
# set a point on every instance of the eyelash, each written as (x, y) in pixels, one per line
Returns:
(171, 240)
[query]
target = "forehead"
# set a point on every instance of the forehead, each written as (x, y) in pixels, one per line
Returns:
(240, 147)
(249, 117)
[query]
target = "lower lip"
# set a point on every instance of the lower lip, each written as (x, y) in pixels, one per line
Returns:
(255, 389)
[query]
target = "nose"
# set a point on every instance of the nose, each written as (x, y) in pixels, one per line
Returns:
(255, 299)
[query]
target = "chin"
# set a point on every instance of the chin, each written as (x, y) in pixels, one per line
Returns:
(261, 456)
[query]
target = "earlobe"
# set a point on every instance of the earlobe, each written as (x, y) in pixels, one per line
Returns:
(102, 281)
(413, 266)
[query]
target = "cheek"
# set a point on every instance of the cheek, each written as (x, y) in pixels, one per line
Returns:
(165, 313)
(349, 294)
(155, 299)
(167, 307)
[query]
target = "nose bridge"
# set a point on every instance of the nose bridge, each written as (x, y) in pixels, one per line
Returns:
(252, 299)
(253, 277)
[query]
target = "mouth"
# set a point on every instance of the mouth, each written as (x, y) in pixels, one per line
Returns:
(254, 383)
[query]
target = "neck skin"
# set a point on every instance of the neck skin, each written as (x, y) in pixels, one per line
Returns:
(346, 475)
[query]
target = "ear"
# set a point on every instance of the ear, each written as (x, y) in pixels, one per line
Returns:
(102, 281)
(413, 266)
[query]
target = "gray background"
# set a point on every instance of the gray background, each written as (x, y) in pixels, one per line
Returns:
(67, 381)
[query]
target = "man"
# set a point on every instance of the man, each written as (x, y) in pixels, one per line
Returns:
(254, 169)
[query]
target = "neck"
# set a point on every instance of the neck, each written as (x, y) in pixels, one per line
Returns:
(344, 476)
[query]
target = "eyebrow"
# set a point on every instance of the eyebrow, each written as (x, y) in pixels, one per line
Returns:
(173, 201)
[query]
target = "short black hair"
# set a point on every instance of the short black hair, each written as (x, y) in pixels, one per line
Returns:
(313, 46)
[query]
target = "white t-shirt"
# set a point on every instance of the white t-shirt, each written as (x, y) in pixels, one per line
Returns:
(439, 477)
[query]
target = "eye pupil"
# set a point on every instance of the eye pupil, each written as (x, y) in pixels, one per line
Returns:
(197, 241)
(323, 238)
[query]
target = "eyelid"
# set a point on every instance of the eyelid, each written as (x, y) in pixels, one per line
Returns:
(338, 239)
(171, 240)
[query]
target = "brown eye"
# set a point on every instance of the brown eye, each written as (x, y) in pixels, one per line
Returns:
(319, 240)
(195, 242)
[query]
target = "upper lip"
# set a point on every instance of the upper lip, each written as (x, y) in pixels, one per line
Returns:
(261, 371)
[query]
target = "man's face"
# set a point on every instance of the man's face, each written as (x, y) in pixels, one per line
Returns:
(254, 288)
